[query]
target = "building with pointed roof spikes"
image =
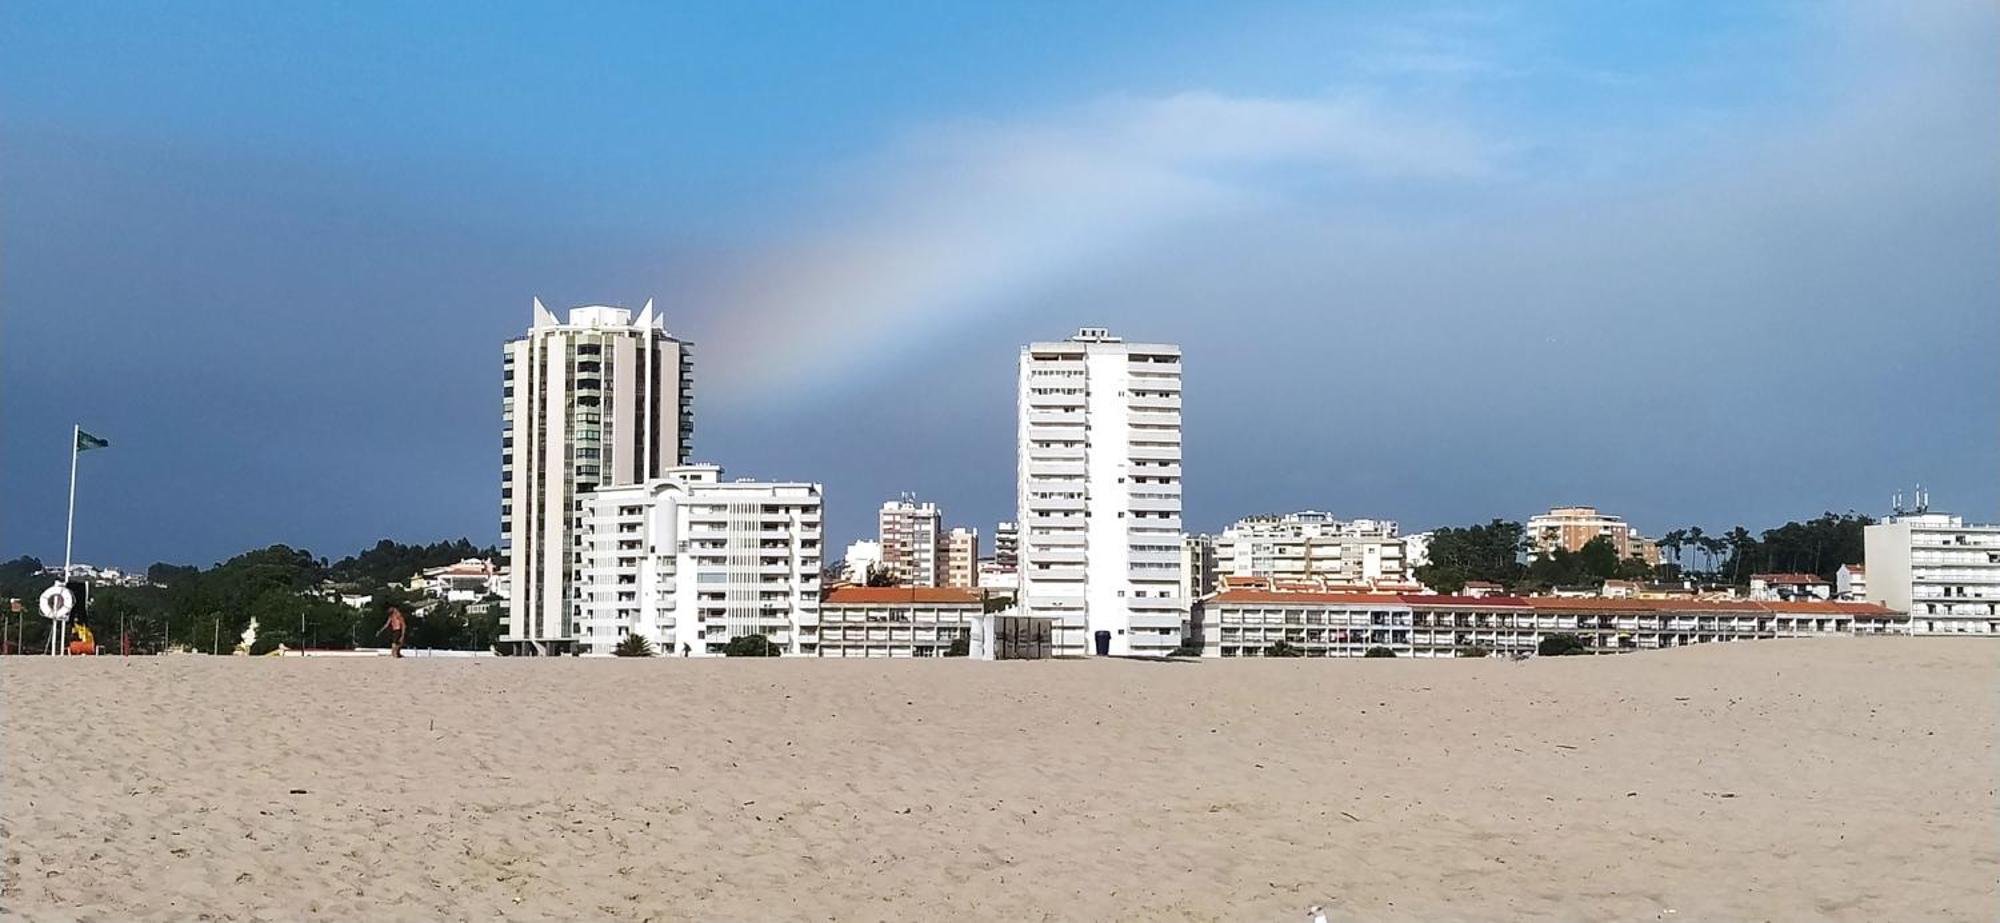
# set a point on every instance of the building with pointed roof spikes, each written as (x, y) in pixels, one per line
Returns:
(602, 398)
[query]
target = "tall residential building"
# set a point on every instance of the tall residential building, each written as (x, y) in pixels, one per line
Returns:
(690, 561)
(1007, 545)
(601, 399)
(912, 536)
(1098, 493)
(1200, 575)
(961, 558)
(1313, 546)
(1572, 527)
(1942, 570)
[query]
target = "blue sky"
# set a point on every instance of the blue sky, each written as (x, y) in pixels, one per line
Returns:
(1697, 264)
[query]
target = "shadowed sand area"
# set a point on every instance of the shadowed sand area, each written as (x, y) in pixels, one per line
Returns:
(1847, 779)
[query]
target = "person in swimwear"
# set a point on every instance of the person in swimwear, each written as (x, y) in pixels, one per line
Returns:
(400, 628)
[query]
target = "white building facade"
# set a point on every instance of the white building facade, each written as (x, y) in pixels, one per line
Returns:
(895, 621)
(1098, 493)
(1311, 545)
(1942, 570)
(691, 561)
(603, 398)
(1850, 582)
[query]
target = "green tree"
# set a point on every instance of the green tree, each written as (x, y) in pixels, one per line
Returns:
(391, 563)
(753, 645)
(1490, 552)
(164, 574)
(1379, 652)
(960, 646)
(1561, 644)
(1284, 649)
(633, 645)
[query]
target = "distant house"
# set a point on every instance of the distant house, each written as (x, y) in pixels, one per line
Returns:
(1787, 587)
(1620, 589)
(1481, 588)
(467, 581)
(1850, 583)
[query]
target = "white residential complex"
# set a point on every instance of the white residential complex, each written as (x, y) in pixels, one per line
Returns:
(1098, 493)
(1251, 623)
(1315, 547)
(603, 398)
(1940, 569)
(912, 537)
(690, 561)
(895, 621)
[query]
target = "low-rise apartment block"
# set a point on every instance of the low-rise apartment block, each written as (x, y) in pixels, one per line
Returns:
(895, 621)
(1311, 545)
(1247, 623)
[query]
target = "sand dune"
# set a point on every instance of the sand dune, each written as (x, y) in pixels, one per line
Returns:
(1847, 779)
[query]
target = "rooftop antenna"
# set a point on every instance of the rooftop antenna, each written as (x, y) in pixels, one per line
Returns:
(1896, 503)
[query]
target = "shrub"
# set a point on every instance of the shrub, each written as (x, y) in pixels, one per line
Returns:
(1473, 651)
(750, 646)
(1561, 644)
(1284, 649)
(1379, 651)
(1188, 649)
(633, 646)
(960, 647)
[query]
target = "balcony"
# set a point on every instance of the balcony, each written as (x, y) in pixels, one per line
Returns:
(1056, 417)
(1042, 469)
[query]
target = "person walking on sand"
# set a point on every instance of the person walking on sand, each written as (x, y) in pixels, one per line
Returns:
(395, 624)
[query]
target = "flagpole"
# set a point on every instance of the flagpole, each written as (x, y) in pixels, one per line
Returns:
(69, 532)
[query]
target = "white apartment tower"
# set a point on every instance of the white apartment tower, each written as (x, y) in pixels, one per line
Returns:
(601, 399)
(912, 537)
(1942, 570)
(1098, 493)
(691, 561)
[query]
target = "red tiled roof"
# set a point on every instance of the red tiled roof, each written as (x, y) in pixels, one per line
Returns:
(1480, 602)
(889, 595)
(1285, 597)
(1789, 579)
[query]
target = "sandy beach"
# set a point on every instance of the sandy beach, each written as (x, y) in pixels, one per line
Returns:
(1843, 779)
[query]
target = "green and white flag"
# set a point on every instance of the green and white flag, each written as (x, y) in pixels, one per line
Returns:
(85, 442)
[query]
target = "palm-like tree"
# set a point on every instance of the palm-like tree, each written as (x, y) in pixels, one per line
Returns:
(1696, 539)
